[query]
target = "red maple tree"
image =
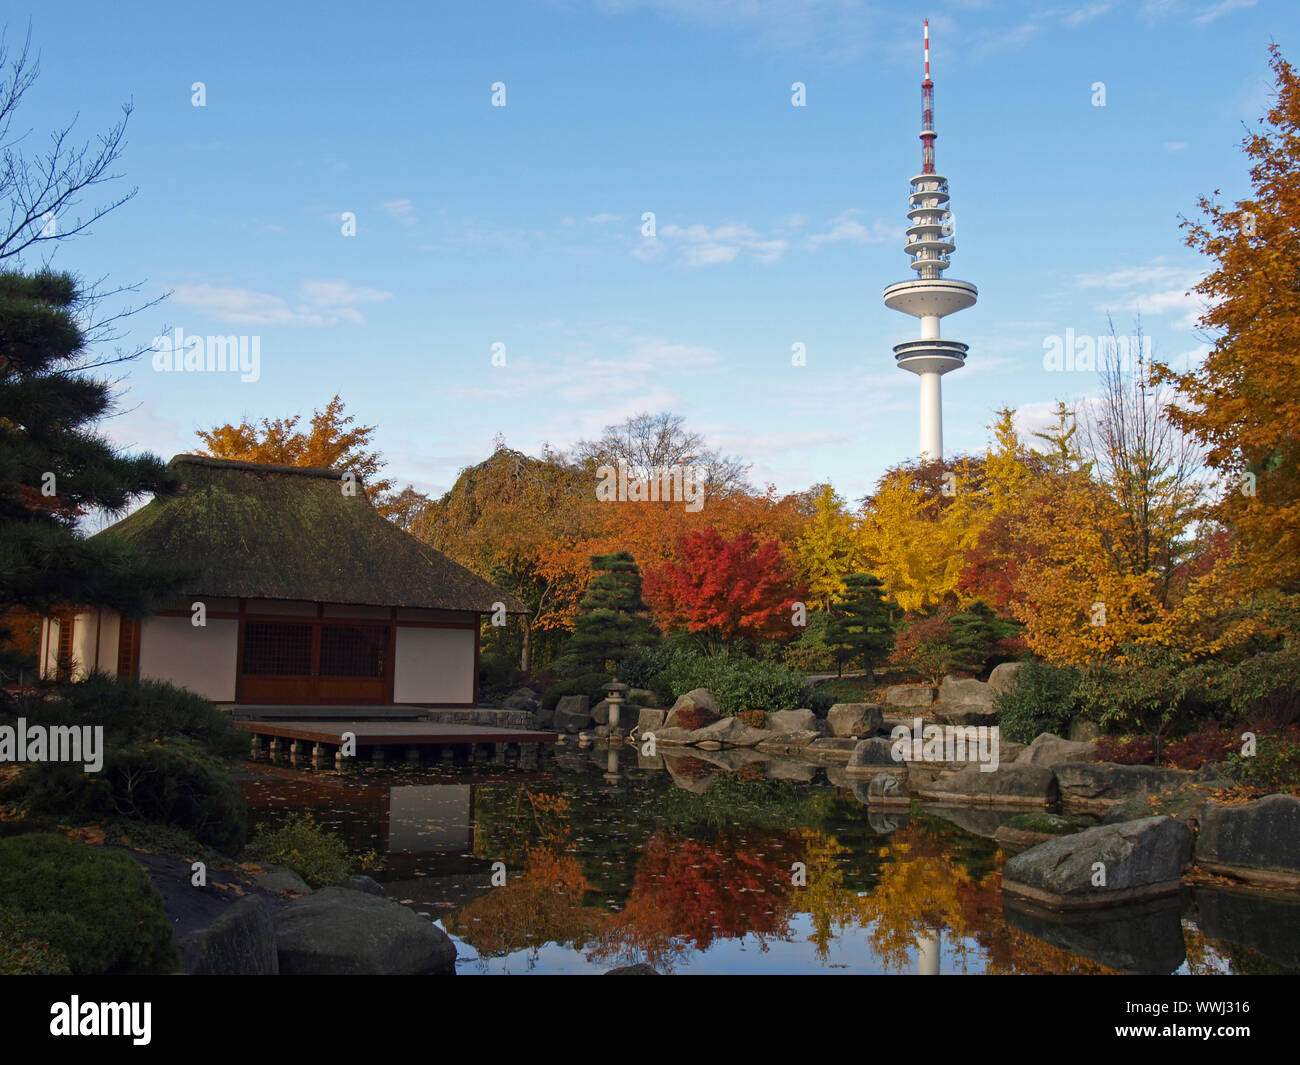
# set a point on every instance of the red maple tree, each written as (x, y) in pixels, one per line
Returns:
(725, 588)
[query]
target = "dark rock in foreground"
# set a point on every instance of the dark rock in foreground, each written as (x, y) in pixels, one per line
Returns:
(1255, 841)
(1016, 784)
(1093, 787)
(337, 931)
(241, 942)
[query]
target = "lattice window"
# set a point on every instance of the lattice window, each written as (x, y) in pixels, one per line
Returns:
(272, 648)
(353, 650)
(128, 647)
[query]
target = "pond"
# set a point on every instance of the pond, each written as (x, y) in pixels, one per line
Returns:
(600, 859)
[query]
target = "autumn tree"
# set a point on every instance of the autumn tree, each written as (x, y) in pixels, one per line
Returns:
(828, 550)
(331, 442)
(1243, 401)
(724, 589)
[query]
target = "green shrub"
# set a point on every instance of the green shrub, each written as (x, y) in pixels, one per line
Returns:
(25, 948)
(1043, 699)
(314, 853)
(139, 710)
(168, 782)
(94, 907)
(496, 674)
(736, 683)
(592, 685)
(1275, 764)
(639, 667)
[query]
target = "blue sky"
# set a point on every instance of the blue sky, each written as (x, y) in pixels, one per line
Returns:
(521, 225)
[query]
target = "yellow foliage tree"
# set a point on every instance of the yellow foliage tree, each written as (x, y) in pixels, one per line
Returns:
(828, 549)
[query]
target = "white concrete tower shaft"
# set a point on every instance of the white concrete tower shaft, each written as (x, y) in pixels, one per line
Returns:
(930, 297)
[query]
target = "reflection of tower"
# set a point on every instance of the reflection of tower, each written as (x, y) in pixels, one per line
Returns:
(930, 296)
(927, 951)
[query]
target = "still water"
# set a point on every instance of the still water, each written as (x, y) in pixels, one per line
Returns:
(753, 866)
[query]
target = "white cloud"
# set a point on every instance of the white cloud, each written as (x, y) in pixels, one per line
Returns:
(1224, 7)
(846, 227)
(602, 219)
(1175, 146)
(702, 245)
(402, 210)
(321, 303)
(1085, 14)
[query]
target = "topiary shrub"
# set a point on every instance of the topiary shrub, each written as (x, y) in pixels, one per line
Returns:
(167, 781)
(1043, 699)
(496, 675)
(96, 908)
(25, 948)
(314, 853)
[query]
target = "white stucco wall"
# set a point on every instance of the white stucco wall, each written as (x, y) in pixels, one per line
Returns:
(199, 658)
(434, 665)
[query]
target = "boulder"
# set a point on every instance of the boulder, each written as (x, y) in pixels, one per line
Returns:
(367, 884)
(572, 713)
(650, 720)
(600, 713)
(342, 932)
(521, 700)
(854, 719)
(1257, 841)
(791, 721)
(543, 718)
(962, 691)
(875, 751)
(909, 696)
(885, 788)
(1094, 787)
(730, 732)
(1004, 677)
(240, 942)
(279, 880)
(1050, 750)
(965, 714)
(1139, 860)
(788, 742)
(1083, 731)
(1008, 785)
(692, 710)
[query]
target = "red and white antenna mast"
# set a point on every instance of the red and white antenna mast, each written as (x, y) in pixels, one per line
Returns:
(927, 111)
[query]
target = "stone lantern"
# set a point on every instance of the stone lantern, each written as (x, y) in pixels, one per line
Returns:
(616, 693)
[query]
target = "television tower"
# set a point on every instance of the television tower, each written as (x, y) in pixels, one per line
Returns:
(930, 296)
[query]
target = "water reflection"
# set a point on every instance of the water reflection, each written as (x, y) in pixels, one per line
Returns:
(733, 862)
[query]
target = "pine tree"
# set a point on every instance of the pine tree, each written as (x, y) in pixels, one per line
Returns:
(861, 629)
(55, 468)
(976, 637)
(612, 617)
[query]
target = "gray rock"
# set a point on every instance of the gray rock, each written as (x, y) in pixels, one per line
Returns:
(650, 720)
(1083, 731)
(341, 932)
(965, 714)
(521, 700)
(1050, 750)
(1004, 677)
(854, 719)
(1008, 785)
(887, 788)
(977, 820)
(1096, 786)
(277, 880)
(791, 721)
(240, 942)
(788, 742)
(730, 732)
(696, 699)
(961, 691)
(909, 695)
(1141, 859)
(600, 713)
(1257, 840)
(872, 752)
(572, 713)
(543, 718)
(365, 883)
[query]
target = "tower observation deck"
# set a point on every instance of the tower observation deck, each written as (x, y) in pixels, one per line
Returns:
(930, 296)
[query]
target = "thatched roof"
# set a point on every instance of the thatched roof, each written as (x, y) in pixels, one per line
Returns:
(258, 531)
